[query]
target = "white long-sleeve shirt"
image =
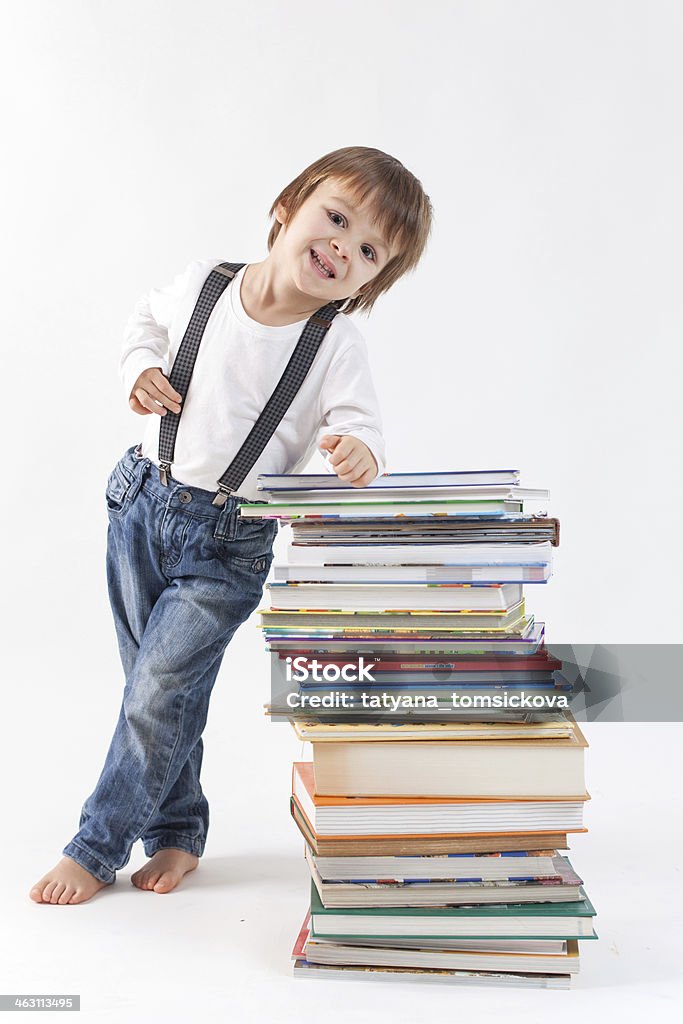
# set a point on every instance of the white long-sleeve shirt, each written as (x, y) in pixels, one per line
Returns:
(238, 366)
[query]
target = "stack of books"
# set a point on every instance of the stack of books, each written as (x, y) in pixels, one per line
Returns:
(432, 818)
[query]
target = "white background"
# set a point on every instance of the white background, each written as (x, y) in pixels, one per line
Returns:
(541, 331)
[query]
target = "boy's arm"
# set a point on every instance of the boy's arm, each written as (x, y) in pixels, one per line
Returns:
(349, 407)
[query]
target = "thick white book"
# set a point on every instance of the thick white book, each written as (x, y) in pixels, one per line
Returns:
(316, 573)
(394, 596)
(508, 492)
(497, 768)
(423, 554)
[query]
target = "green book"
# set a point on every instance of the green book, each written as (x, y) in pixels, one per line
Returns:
(501, 921)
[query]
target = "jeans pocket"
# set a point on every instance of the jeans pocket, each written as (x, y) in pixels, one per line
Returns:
(252, 547)
(256, 531)
(260, 565)
(119, 490)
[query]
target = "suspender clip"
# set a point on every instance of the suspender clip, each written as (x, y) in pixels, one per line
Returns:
(319, 322)
(222, 496)
(163, 472)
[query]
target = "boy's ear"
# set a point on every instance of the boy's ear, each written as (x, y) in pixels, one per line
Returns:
(281, 213)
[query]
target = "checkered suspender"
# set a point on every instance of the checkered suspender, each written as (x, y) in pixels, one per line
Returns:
(282, 397)
(183, 364)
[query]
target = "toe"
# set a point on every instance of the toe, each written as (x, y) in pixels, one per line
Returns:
(48, 890)
(36, 893)
(57, 892)
(66, 895)
(165, 883)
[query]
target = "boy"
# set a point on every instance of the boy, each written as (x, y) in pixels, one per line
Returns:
(184, 571)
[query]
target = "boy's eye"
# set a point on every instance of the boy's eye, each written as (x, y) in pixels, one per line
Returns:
(371, 255)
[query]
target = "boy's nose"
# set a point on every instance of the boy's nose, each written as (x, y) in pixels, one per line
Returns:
(339, 249)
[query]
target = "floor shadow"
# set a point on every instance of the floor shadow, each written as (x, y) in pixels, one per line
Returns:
(256, 869)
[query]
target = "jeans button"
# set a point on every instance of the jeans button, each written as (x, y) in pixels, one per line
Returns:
(185, 497)
(260, 565)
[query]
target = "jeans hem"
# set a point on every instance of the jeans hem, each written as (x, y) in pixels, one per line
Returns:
(90, 863)
(175, 842)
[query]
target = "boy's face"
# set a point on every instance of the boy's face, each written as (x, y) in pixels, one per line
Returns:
(330, 227)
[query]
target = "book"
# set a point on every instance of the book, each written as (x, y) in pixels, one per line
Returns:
(513, 528)
(395, 596)
(540, 661)
(296, 618)
(475, 573)
(517, 627)
(545, 947)
(314, 481)
(480, 867)
(572, 920)
(517, 768)
(431, 492)
(457, 646)
(328, 972)
(547, 727)
(379, 509)
(417, 846)
(384, 816)
(537, 956)
(428, 554)
(323, 951)
(560, 888)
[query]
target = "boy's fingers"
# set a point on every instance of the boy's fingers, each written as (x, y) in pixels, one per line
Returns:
(164, 385)
(148, 402)
(366, 478)
(329, 442)
(343, 450)
(362, 479)
(348, 465)
(359, 468)
(158, 396)
(355, 477)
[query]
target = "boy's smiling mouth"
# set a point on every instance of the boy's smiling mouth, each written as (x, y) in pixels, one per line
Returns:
(322, 266)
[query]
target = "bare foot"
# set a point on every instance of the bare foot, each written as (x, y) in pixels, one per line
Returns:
(164, 870)
(68, 882)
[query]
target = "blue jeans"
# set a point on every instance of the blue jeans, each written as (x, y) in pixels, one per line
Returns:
(183, 574)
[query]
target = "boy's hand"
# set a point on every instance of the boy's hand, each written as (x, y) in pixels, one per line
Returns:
(152, 392)
(352, 461)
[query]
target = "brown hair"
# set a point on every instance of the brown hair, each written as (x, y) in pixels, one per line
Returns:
(402, 211)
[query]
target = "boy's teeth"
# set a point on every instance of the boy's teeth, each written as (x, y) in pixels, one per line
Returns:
(320, 263)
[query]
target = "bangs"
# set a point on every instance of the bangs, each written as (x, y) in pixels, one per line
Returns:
(376, 191)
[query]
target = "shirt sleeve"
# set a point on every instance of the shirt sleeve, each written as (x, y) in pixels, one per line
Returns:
(349, 403)
(146, 338)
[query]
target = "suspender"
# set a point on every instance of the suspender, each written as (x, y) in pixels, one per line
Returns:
(277, 405)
